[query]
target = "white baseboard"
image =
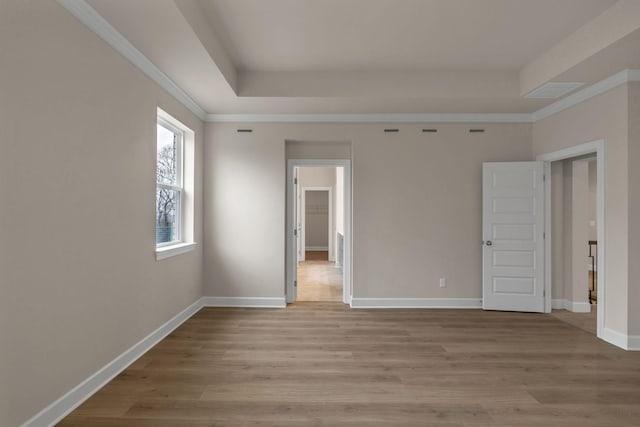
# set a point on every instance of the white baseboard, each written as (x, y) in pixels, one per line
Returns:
(416, 303)
(579, 307)
(74, 398)
(625, 342)
(633, 343)
(253, 302)
(576, 307)
(316, 248)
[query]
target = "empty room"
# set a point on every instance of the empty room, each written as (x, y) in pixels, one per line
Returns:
(319, 213)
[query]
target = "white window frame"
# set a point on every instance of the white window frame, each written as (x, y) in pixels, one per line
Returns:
(178, 187)
(185, 163)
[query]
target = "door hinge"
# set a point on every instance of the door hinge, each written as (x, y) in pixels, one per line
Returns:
(544, 292)
(544, 235)
(295, 283)
(295, 181)
(295, 232)
(544, 178)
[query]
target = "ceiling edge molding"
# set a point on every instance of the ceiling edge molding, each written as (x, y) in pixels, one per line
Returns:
(371, 118)
(622, 77)
(96, 23)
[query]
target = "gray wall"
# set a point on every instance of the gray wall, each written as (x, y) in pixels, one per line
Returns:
(605, 116)
(416, 204)
(79, 279)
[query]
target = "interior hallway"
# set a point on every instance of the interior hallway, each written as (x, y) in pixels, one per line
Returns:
(318, 278)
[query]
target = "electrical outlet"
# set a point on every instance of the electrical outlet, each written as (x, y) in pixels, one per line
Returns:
(443, 282)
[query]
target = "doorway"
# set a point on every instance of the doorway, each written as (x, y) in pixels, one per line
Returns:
(318, 230)
(575, 235)
(319, 276)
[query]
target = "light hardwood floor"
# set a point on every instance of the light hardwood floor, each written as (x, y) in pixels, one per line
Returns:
(318, 278)
(323, 364)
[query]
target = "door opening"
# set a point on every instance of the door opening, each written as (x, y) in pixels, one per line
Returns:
(574, 224)
(318, 230)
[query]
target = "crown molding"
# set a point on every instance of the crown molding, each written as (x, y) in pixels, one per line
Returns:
(622, 77)
(372, 118)
(96, 23)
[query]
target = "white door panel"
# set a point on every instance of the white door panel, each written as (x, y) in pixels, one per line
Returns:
(296, 221)
(513, 247)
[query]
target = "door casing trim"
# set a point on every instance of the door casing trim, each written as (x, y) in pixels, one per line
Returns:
(597, 147)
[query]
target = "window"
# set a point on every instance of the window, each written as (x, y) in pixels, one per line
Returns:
(168, 184)
(174, 187)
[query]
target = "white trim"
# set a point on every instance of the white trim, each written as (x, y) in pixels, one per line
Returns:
(164, 252)
(291, 251)
(573, 306)
(95, 22)
(317, 248)
(633, 342)
(597, 147)
(252, 302)
(622, 77)
(416, 302)
(579, 307)
(602, 86)
(74, 398)
(373, 118)
(616, 338)
(626, 342)
(548, 277)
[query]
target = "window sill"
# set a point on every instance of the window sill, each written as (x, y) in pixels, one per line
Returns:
(165, 252)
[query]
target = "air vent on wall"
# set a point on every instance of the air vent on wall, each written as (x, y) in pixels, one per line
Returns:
(245, 130)
(392, 130)
(553, 90)
(476, 130)
(429, 130)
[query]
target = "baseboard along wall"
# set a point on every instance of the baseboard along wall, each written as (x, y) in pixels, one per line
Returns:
(626, 342)
(416, 303)
(576, 307)
(250, 302)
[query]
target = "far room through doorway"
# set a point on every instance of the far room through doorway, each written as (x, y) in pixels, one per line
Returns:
(321, 233)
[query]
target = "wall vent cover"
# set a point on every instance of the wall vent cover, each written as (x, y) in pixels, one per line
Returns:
(553, 90)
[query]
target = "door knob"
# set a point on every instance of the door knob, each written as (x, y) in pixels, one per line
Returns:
(489, 243)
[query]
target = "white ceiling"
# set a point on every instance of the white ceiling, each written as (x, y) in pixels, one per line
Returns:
(365, 35)
(377, 56)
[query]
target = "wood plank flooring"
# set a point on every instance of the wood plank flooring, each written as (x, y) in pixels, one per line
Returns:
(585, 321)
(323, 364)
(318, 278)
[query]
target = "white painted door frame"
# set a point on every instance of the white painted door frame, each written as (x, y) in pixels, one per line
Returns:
(291, 245)
(597, 147)
(298, 209)
(303, 215)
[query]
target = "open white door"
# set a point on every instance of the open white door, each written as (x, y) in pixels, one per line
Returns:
(293, 295)
(513, 233)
